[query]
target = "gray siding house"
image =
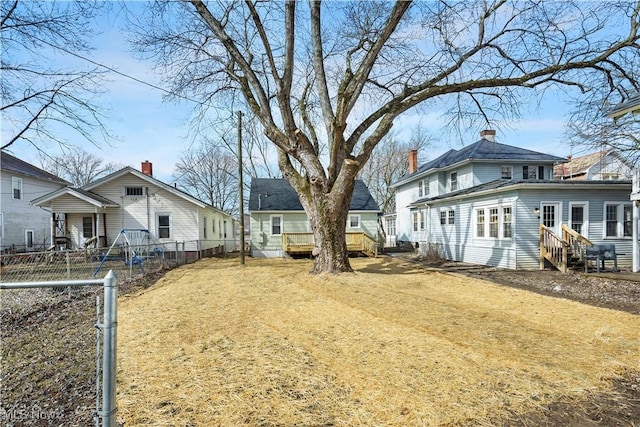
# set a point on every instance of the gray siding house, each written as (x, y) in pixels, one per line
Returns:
(23, 226)
(279, 224)
(493, 204)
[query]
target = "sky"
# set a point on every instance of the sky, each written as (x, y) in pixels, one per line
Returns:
(148, 128)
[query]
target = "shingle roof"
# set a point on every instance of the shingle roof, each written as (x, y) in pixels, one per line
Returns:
(578, 165)
(13, 164)
(503, 183)
(483, 150)
(277, 195)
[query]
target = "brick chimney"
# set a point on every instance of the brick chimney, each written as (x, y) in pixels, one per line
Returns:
(488, 134)
(413, 161)
(147, 168)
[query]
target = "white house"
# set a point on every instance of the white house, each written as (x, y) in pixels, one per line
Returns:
(632, 105)
(492, 204)
(24, 227)
(130, 199)
(603, 165)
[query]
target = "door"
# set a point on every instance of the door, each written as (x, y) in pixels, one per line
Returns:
(550, 216)
(28, 240)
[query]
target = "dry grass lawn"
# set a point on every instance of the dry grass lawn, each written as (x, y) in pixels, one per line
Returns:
(214, 343)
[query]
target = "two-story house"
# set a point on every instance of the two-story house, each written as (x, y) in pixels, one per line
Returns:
(24, 227)
(486, 203)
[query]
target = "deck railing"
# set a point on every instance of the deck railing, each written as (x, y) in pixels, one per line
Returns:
(304, 242)
(553, 249)
(576, 241)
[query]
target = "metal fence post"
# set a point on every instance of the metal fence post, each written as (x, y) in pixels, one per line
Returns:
(109, 350)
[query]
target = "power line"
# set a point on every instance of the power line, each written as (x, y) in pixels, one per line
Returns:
(113, 70)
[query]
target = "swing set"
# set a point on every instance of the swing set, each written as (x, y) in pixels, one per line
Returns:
(135, 247)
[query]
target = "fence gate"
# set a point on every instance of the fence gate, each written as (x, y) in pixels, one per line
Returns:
(107, 410)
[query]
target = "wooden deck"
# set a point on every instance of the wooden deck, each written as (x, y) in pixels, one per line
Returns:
(303, 243)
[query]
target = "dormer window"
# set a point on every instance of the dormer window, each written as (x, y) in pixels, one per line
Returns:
(133, 191)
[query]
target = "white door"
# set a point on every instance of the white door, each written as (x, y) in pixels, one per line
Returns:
(550, 216)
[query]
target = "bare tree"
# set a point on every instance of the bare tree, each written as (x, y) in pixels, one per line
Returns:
(388, 163)
(359, 65)
(77, 166)
(208, 172)
(590, 130)
(38, 97)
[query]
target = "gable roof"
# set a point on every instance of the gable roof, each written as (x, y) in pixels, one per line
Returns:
(151, 180)
(269, 194)
(13, 164)
(87, 196)
(578, 167)
(483, 150)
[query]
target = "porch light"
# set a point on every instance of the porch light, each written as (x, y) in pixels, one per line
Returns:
(536, 211)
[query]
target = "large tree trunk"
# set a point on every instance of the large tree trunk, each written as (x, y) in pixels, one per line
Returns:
(328, 218)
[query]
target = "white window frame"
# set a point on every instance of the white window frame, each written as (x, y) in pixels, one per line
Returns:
(486, 225)
(443, 217)
(349, 224)
(169, 227)
(422, 221)
(420, 188)
(505, 168)
(16, 184)
(425, 186)
(451, 217)
(453, 181)
(271, 217)
(585, 220)
(415, 222)
(619, 220)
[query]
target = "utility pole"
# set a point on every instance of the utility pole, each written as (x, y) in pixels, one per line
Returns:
(240, 187)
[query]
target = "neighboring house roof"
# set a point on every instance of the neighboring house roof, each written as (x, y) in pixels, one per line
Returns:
(578, 167)
(632, 105)
(483, 150)
(13, 164)
(277, 195)
(503, 184)
(87, 196)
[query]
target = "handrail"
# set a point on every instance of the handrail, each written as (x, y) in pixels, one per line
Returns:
(356, 241)
(553, 249)
(576, 241)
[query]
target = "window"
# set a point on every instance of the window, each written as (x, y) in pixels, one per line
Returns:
(533, 172)
(391, 226)
(133, 191)
(420, 191)
(506, 223)
(219, 229)
(452, 217)
(1, 225)
(354, 221)
(213, 226)
(453, 181)
(627, 221)
(421, 220)
(29, 238)
(507, 172)
(204, 231)
(493, 223)
(225, 228)
(577, 218)
(16, 187)
(549, 216)
(414, 218)
(426, 187)
(276, 225)
(443, 217)
(164, 226)
(611, 227)
(480, 223)
(540, 172)
(87, 227)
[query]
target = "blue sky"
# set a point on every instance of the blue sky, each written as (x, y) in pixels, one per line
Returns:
(147, 128)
